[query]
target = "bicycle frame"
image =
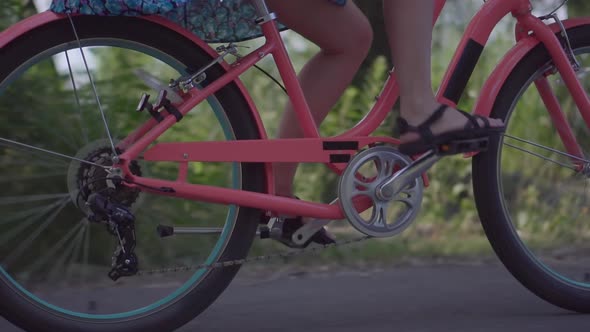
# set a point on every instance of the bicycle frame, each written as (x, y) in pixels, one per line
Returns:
(336, 151)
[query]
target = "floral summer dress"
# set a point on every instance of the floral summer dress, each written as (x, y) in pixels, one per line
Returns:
(212, 20)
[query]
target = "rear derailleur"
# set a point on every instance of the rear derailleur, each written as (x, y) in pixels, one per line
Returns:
(121, 223)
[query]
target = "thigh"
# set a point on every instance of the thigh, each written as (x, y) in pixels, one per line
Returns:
(330, 26)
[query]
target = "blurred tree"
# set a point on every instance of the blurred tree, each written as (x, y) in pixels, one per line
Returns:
(578, 8)
(12, 11)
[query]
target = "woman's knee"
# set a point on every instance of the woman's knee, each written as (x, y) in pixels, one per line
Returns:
(336, 30)
(354, 40)
(360, 42)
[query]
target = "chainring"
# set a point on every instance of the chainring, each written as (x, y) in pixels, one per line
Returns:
(358, 185)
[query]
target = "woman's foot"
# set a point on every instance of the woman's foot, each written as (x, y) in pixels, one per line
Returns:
(422, 131)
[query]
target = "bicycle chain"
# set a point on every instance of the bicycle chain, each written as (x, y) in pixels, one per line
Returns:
(287, 254)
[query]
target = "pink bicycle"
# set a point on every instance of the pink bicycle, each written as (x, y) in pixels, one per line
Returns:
(197, 161)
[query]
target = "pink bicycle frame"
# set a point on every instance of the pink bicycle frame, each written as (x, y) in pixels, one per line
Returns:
(336, 151)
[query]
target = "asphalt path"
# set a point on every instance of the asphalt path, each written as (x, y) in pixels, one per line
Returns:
(418, 298)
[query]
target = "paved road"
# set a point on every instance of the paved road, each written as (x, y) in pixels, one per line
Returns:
(417, 299)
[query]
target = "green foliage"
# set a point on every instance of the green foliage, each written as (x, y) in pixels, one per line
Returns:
(12, 11)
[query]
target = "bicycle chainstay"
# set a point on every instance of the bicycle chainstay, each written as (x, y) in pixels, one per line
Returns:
(286, 254)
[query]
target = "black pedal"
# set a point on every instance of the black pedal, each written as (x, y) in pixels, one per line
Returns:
(463, 146)
(165, 231)
(162, 98)
(144, 104)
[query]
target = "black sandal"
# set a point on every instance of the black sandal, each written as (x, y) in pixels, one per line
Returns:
(463, 140)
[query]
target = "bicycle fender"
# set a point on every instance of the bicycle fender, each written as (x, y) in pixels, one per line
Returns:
(499, 76)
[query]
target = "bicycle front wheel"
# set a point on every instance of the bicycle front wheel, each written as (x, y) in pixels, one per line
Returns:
(531, 188)
(53, 261)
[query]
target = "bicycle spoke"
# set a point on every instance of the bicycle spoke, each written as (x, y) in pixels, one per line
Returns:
(86, 253)
(99, 104)
(57, 246)
(541, 156)
(24, 244)
(20, 215)
(49, 163)
(68, 141)
(546, 148)
(56, 132)
(77, 251)
(30, 198)
(7, 236)
(26, 146)
(13, 178)
(50, 134)
(77, 97)
(58, 265)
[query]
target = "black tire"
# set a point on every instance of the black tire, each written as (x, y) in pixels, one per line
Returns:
(33, 316)
(533, 267)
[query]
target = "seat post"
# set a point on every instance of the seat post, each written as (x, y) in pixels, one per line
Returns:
(262, 13)
(261, 8)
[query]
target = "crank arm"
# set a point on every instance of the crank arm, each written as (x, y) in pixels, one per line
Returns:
(299, 239)
(395, 184)
(303, 234)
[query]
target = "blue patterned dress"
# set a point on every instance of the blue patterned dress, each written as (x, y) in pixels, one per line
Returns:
(212, 20)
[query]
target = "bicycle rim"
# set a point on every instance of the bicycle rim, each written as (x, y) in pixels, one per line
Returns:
(545, 189)
(50, 251)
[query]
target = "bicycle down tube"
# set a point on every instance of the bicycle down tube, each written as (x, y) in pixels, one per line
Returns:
(454, 82)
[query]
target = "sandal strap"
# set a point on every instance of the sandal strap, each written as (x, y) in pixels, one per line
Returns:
(422, 129)
(405, 127)
(485, 120)
(425, 132)
(433, 118)
(472, 123)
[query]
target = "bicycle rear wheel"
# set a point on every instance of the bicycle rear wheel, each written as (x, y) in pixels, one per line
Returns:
(532, 197)
(54, 262)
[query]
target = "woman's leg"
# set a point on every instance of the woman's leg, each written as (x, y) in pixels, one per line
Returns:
(344, 36)
(409, 28)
